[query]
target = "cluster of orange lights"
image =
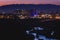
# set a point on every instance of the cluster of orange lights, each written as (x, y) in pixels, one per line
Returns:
(50, 16)
(47, 16)
(57, 17)
(38, 16)
(7, 17)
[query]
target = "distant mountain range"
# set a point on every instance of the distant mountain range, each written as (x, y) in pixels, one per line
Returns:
(41, 7)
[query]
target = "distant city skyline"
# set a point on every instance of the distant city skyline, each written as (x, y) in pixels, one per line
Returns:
(7, 2)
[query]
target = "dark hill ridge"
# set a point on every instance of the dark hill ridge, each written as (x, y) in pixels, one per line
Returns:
(41, 7)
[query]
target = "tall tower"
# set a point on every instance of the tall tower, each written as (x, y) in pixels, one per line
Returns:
(35, 12)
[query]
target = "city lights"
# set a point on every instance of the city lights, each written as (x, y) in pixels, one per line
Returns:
(1, 16)
(57, 17)
(24, 14)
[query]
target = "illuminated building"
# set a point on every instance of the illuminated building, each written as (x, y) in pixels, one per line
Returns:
(57, 16)
(1, 16)
(46, 16)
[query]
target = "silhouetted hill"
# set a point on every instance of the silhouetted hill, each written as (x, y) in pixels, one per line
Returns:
(41, 7)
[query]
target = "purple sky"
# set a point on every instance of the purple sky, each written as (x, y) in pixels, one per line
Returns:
(5, 2)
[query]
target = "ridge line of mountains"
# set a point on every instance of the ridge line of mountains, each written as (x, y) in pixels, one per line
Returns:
(41, 7)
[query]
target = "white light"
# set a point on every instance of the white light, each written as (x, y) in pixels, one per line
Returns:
(52, 32)
(35, 15)
(38, 28)
(42, 37)
(27, 32)
(42, 15)
(34, 34)
(35, 38)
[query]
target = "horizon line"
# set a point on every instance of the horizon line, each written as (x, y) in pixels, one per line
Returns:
(31, 4)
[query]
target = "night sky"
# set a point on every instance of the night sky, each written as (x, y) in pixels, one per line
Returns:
(6, 2)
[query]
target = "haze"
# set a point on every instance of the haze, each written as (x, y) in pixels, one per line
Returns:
(7, 2)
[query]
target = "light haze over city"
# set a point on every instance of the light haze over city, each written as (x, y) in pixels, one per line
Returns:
(7, 2)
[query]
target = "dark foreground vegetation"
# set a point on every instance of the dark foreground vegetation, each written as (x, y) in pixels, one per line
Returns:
(14, 29)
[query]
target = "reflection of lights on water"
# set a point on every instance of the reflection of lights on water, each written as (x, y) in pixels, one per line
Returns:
(39, 37)
(27, 32)
(45, 38)
(36, 39)
(52, 32)
(38, 28)
(42, 37)
(34, 34)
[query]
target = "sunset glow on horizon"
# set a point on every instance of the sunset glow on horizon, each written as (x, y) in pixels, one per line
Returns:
(6, 2)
